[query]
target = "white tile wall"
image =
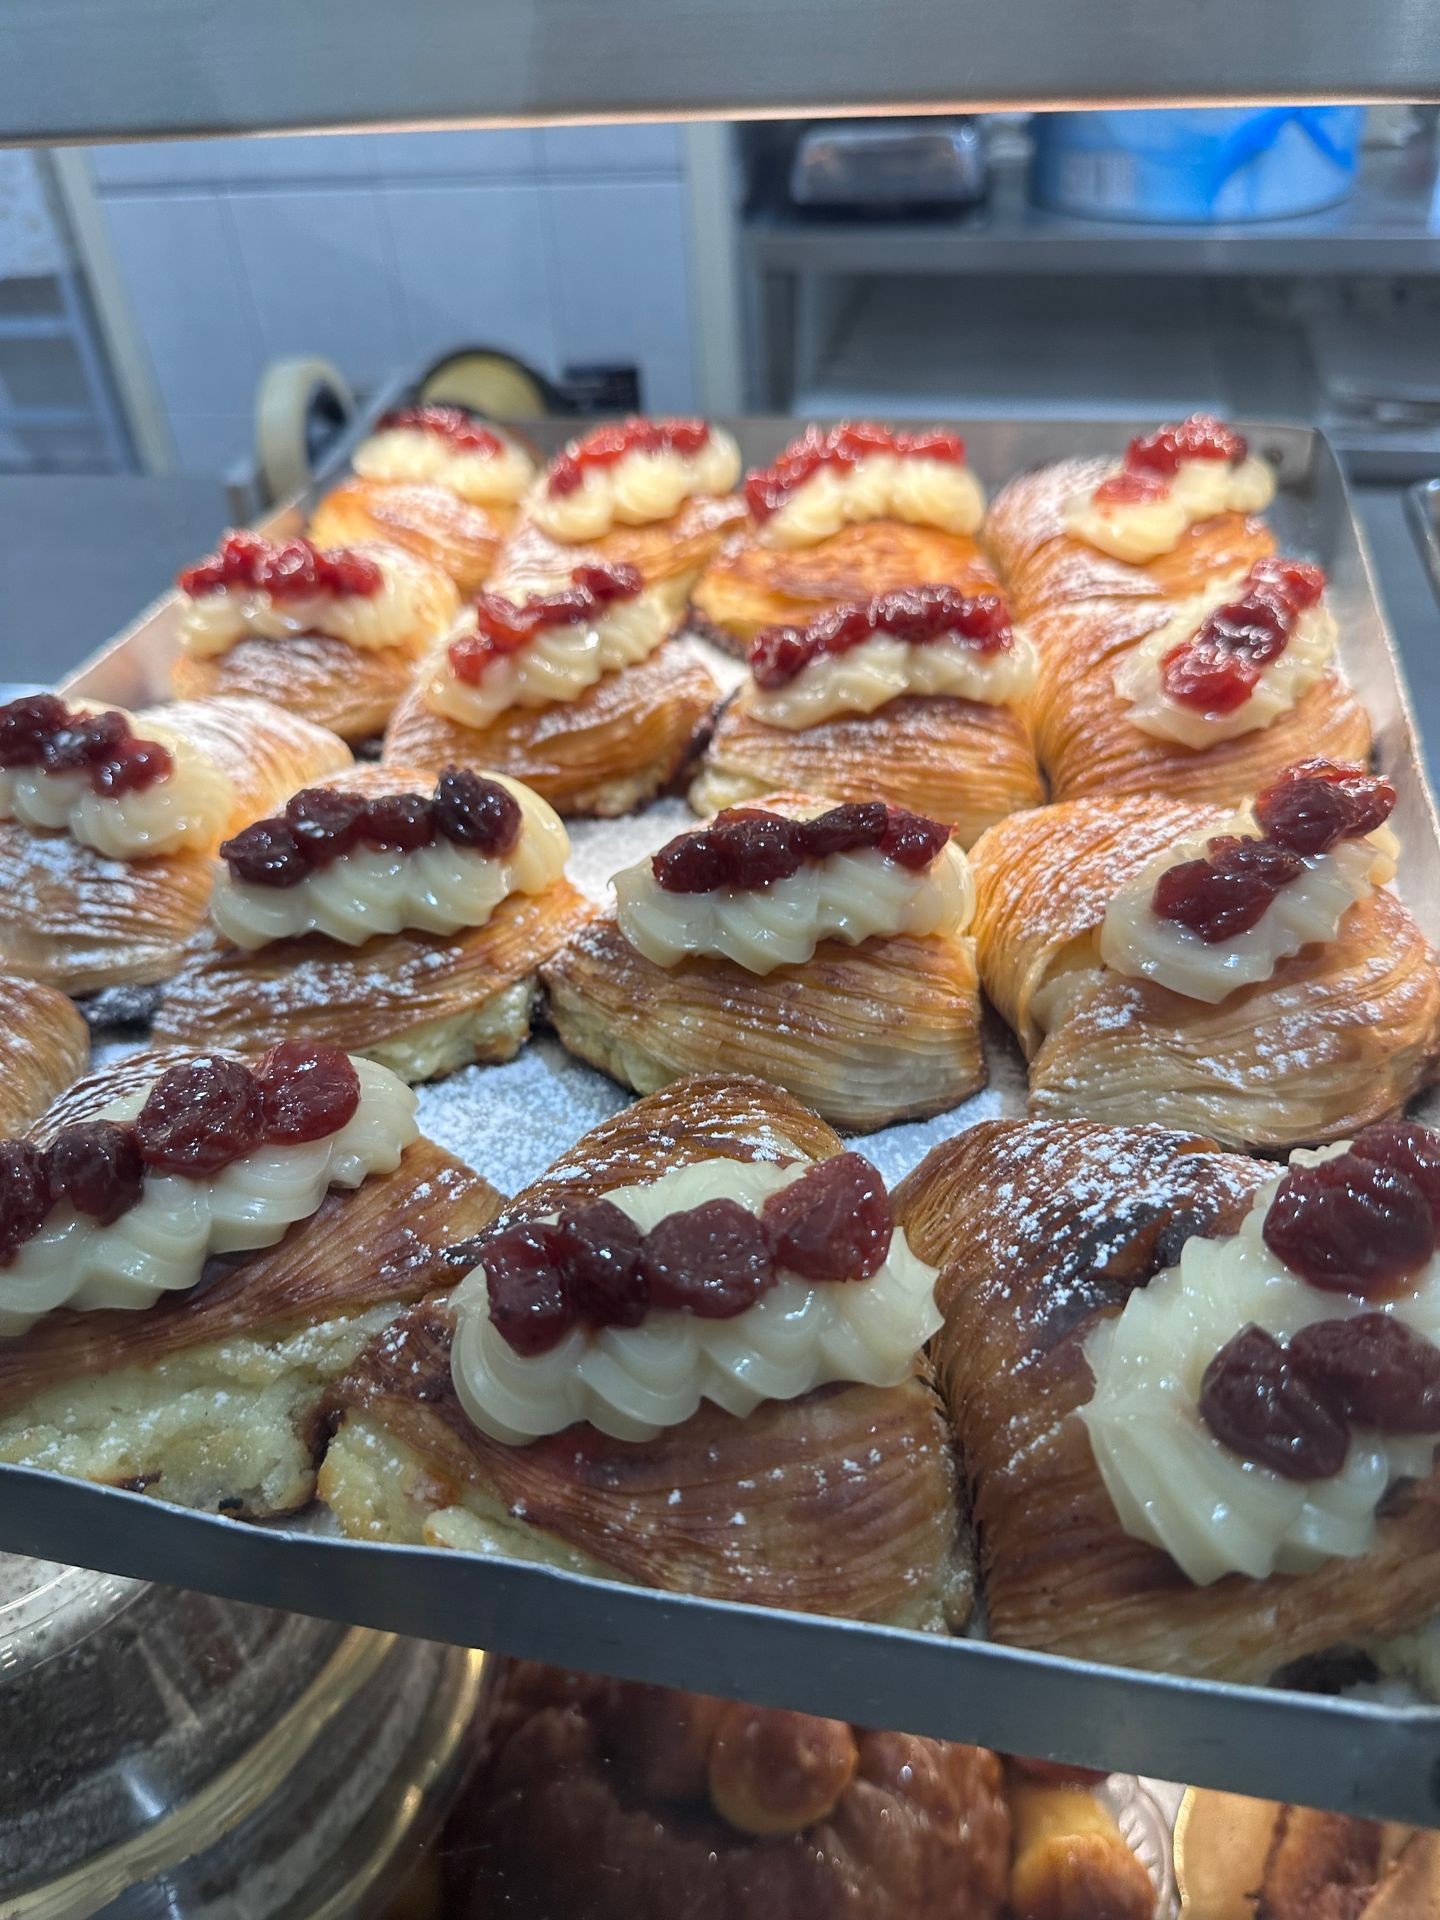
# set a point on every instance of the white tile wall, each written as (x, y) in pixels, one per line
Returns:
(565, 245)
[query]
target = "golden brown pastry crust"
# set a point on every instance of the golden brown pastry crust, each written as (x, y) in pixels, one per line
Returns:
(1071, 1861)
(1044, 566)
(872, 1542)
(351, 690)
(867, 1035)
(622, 741)
(749, 586)
(664, 552)
(78, 921)
(461, 539)
(1339, 1035)
(1321, 1866)
(1040, 1230)
(960, 761)
(44, 1047)
(421, 1004)
(558, 1824)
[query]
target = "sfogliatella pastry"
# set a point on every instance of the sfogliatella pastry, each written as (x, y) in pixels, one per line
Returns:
(108, 821)
(1197, 1398)
(44, 1046)
(841, 516)
(395, 916)
(1176, 512)
(917, 697)
(1256, 1857)
(332, 635)
(1249, 975)
(826, 949)
(191, 1250)
(579, 692)
(1207, 698)
(696, 1322)
(598, 1800)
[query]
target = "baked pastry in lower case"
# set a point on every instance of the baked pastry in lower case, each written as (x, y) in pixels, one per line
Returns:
(575, 1453)
(840, 517)
(826, 949)
(1249, 975)
(916, 697)
(399, 923)
(44, 1046)
(460, 538)
(1196, 1397)
(192, 1251)
(1177, 512)
(1239, 1858)
(577, 690)
(598, 1800)
(1207, 699)
(108, 822)
(1070, 1861)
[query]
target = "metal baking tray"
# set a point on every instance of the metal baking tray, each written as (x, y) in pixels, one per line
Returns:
(1423, 500)
(1376, 1755)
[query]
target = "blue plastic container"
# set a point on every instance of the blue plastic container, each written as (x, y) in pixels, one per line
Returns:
(1199, 164)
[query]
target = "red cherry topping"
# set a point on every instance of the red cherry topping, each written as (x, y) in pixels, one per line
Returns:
(1261, 1407)
(41, 731)
(285, 569)
(504, 626)
(1410, 1149)
(1201, 437)
(307, 1092)
(1350, 1225)
(471, 811)
(267, 854)
(96, 1166)
(1216, 670)
(750, 847)
(465, 433)
(26, 727)
(833, 1223)
(768, 488)
(24, 1195)
(916, 615)
(1125, 488)
(711, 1261)
(1227, 894)
(1316, 804)
(325, 822)
(848, 829)
(911, 840)
(399, 823)
(525, 1284)
(200, 1117)
(606, 446)
(602, 1265)
(1378, 1371)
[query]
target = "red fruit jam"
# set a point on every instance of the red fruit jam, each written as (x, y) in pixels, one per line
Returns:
(602, 1249)
(1266, 1410)
(1201, 437)
(1316, 804)
(24, 1195)
(1123, 488)
(607, 446)
(749, 847)
(285, 569)
(504, 626)
(530, 1306)
(200, 1117)
(1352, 1224)
(833, 1223)
(465, 434)
(306, 1092)
(767, 489)
(1217, 668)
(41, 731)
(97, 1166)
(711, 1261)
(1378, 1371)
(916, 615)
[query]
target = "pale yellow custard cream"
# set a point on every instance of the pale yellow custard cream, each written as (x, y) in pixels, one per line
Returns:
(1283, 681)
(1173, 1483)
(846, 896)
(407, 454)
(883, 668)
(1141, 530)
(915, 488)
(441, 888)
(415, 604)
(162, 1243)
(1135, 940)
(187, 808)
(635, 490)
(631, 1382)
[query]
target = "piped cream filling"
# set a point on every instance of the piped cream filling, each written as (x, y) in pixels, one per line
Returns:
(914, 488)
(632, 1382)
(1141, 530)
(1283, 681)
(410, 454)
(883, 669)
(636, 490)
(436, 889)
(1177, 1487)
(559, 664)
(189, 808)
(1135, 940)
(161, 1245)
(849, 896)
(411, 605)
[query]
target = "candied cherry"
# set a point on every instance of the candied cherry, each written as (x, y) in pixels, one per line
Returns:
(530, 1306)
(606, 445)
(96, 1166)
(1378, 1371)
(470, 811)
(1349, 1225)
(912, 841)
(1408, 1147)
(398, 822)
(602, 1249)
(1261, 1407)
(24, 1195)
(692, 863)
(134, 766)
(1298, 583)
(1316, 804)
(200, 1117)
(760, 848)
(1203, 674)
(326, 823)
(851, 828)
(833, 1223)
(711, 1261)
(267, 854)
(1201, 437)
(778, 655)
(307, 1092)
(85, 741)
(1227, 894)
(1127, 489)
(26, 725)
